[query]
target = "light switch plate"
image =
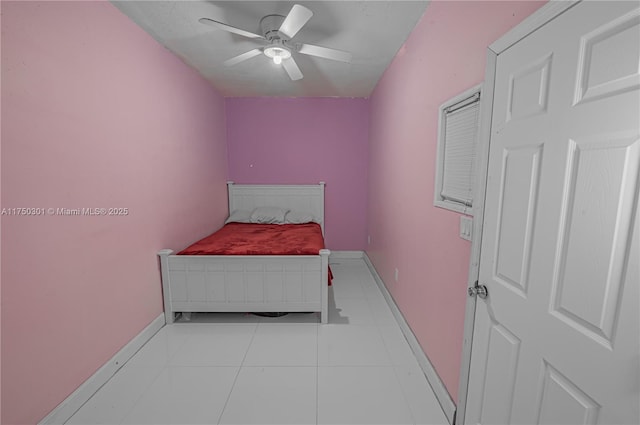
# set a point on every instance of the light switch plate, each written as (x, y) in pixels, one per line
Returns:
(466, 227)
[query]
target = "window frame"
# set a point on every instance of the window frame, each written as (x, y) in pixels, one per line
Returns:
(439, 200)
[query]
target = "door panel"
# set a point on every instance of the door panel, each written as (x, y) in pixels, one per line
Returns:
(500, 375)
(516, 212)
(528, 89)
(603, 172)
(562, 402)
(557, 341)
(612, 43)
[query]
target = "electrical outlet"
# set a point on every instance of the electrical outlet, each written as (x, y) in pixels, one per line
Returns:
(396, 274)
(368, 239)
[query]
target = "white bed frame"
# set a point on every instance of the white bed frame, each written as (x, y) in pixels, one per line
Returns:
(251, 283)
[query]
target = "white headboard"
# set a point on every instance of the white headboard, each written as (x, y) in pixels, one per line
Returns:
(307, 198)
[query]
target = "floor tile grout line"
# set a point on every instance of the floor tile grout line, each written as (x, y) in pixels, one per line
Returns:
(351, 366)
(161, 368)
(235, 380)
(388, 351)
(271, 366)
(395, 373)
(395, 325)
(142, 393)
(404, 395)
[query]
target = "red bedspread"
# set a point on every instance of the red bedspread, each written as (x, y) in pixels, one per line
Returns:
(260, 239)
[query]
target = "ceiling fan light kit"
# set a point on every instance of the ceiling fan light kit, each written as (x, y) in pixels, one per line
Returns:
(277, 51)
(278, 31)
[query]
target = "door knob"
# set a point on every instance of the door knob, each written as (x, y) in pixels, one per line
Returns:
(479, 290)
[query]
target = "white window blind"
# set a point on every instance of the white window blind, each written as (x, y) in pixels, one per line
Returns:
(460, 130)
(457, 137)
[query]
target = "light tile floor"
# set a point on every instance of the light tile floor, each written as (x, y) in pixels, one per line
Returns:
(244, 369)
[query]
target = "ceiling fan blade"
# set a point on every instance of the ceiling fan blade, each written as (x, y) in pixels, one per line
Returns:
(297, 17)
(229, 28)
(243, 57)
(292, 69)
(325, 52)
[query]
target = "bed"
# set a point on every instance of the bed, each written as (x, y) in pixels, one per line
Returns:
(251, 283)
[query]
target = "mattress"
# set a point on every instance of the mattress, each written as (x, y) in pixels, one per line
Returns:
(260, 239)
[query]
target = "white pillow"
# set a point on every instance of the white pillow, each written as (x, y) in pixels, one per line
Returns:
(239, 216)
(268, 215)
(299, 217)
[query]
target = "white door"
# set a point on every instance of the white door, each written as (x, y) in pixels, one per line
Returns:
(557, 339)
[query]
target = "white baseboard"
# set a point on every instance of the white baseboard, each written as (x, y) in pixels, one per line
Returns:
(445, 400)
(80, 396)
(345, 255)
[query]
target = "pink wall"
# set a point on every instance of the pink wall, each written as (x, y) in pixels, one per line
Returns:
(0, 236)
(95, 113)
(444, 56)
(305, 141)
(0, 331)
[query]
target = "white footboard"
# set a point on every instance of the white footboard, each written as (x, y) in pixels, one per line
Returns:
(238, 283)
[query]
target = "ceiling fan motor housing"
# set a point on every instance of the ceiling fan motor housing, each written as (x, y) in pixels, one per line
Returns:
(270, 26)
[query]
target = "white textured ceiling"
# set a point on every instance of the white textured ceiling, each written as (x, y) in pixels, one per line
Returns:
(372, 31)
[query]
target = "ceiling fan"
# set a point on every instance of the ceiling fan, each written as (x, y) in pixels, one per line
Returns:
(277, 32)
